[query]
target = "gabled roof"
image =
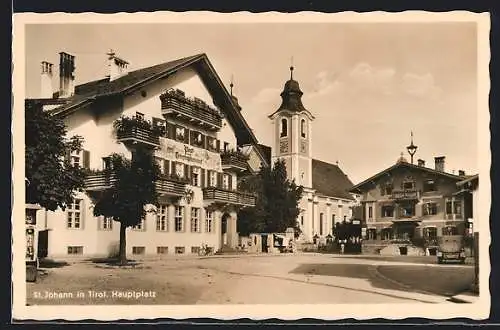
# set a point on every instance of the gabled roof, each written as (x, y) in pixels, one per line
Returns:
(88, 93)
(329, 180)
(359, 186)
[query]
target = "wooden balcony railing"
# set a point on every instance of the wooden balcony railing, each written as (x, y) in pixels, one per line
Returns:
(174, 102)
(138, 135)
(227, 196)
(234, 160)
(99, 181)
(169, 186)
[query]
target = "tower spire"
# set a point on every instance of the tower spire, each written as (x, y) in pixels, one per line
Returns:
(231, 85)
(291, 68)
(412, 149)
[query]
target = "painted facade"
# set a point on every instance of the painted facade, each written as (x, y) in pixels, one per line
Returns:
(198, 153)
(407, 201)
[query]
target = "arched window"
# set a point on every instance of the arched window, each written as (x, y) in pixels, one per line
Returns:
(303, 128)
(284, 127)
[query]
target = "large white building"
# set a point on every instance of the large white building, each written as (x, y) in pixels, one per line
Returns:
(199, 152)
(326, 199)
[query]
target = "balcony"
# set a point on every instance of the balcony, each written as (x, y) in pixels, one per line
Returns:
(170, 186)
(218, 195)
(99, 181)
(234, 160)
(136, 134)
(193, 110)
(405, 194)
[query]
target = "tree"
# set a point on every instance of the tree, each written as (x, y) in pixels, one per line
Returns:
(51, 179)
(277, 201)
(132, 191)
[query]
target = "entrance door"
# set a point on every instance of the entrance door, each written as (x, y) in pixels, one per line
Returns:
(224, 239)
(264, 244)
(43, 243)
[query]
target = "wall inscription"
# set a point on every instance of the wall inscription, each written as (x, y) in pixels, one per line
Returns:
(180, 152)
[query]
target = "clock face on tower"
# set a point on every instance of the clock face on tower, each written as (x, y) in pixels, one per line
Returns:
(283, 146)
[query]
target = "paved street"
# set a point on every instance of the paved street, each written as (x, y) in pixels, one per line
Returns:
(279, 279)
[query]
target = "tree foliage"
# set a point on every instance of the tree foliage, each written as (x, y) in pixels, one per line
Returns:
(132, 191)
(277, 201)
(51, 179)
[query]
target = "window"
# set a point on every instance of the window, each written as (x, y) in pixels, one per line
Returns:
(106, 223)
(449, 207)
(226, 146)
(162, 218)
(408, 185)
(321, 223)
(195, 249)
(225, 181)
(333, 219)
(301, 220)
(387, 189)
(195, 178)
(284, 127)
(74, 214)
(179, 170)
(449, 230)
(180, 133)
(139, 115)
(387, 211)
(138, 250)
(75, 249)
(179, 218)
(429, 185)
(106, 163)
(195, 221)
(407, 210)
(457, 208)
(303, 128)
(212, 179)
(345, 217)
(430, 209)
(370, 212)
(76, 159)
(209, 221)
(180, 249)
(429, 232)
(140, 225)
(162, 250)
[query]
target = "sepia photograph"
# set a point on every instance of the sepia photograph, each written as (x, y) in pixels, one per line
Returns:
(251, 165)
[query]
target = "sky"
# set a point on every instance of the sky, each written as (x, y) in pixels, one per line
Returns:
(368, 84)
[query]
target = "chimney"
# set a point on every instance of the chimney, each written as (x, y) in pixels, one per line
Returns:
(66, 75)
(46, 91)
(439, 163)
(421, 162)
(117, 66)
(461, 172)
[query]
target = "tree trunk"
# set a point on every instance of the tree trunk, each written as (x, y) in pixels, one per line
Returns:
(123, 251)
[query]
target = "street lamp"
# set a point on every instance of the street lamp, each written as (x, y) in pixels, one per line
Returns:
(412, 149)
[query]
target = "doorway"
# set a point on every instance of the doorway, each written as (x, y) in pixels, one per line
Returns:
(265, 248)
(224, 221)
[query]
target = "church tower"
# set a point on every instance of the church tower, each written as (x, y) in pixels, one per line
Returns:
(292, 134)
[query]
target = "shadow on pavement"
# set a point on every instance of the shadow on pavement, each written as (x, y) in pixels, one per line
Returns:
(430, 280)
(48, 263)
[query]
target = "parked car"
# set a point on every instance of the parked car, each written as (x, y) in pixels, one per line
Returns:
(451, 248)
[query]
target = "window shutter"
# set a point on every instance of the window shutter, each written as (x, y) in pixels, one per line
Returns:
(218, 146)
(86, 159)
(170, 131)
(173, 171)
(230, 182)
(192, 137)
(219, 180)
(203, 141)
(166, 167)
(202, 178)
(192, 171)
(186, 135)
(187, 174)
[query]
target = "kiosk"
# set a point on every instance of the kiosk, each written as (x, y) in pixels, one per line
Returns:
(31, 242)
